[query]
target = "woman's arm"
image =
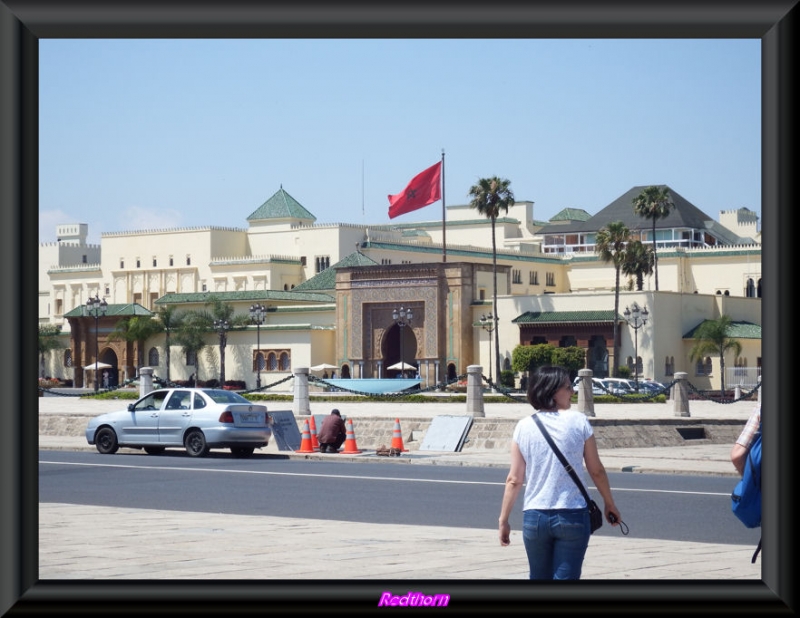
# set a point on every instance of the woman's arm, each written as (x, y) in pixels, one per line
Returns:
(597, 471)
(514, 482)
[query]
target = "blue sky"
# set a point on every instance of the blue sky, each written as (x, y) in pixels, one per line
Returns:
(149, 134)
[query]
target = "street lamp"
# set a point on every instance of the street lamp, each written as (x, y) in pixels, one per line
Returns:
(487, 324)
(636, 318)
(257, 314)
(402, 317)
(221, 326)
(96, 308)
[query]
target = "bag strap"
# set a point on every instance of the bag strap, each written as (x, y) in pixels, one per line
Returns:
(562, 459)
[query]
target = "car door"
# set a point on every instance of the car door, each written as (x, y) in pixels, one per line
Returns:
(142, 428)
(175, 417)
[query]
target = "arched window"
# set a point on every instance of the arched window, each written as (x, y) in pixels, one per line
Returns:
(272, 362)
(191, 358)
(285, 365)
(750, 290)
(67, 358)
(669, 366)
(629, 363)
(259, 362)
(152, 357)
(568, 341)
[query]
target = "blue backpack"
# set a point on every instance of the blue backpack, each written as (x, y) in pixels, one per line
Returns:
(746, 496)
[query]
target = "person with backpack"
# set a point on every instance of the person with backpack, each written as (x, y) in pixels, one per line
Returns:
(746, 458)
(742, 445)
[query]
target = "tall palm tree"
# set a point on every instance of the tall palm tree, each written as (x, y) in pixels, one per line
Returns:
(489, 197)
(218, 317)
(48, 340)
(653, 203)
(191, 336)
(610, 245)
(136, 329)
(638, 262)
(712, 337)
(170, 320)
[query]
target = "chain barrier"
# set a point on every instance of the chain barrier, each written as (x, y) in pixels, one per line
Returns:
(125, 384)
(745, 395)
(441, 386)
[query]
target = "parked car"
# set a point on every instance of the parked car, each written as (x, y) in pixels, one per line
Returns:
(196, 419)
(596, 386)
(618, 386)
(651, 387)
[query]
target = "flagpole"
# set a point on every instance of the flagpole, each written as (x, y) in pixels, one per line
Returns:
(444, 240)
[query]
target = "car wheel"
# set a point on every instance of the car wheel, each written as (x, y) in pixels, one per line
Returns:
(242, 451)
(154, 450)
(106, 441)
(195, 443)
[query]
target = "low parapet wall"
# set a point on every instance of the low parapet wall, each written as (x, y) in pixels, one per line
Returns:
(490, 434)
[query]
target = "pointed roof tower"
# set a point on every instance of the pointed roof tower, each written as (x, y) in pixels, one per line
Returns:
(282, 207)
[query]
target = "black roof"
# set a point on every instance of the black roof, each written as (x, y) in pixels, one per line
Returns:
(684, 214)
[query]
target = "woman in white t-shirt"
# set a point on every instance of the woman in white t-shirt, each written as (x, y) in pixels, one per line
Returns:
(555, 527)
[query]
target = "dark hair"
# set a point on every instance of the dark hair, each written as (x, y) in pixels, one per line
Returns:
(544, 383)
(336, 412)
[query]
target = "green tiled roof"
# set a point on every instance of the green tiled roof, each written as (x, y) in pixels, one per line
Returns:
(326, 280)
(736, 330)
(111, 310)
(572, 214)
(560, 317)
(281, 206)
(247, 296)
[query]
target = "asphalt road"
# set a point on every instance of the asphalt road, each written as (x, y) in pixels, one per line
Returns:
(668, 507)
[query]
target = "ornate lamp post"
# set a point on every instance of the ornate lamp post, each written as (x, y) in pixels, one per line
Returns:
(222, 326)
(636, 318)
(257, 314)
(402, 317)
(95, 308)
(487, 324)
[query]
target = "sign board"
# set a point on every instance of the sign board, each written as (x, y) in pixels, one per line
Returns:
(285, 430)
(446, 433)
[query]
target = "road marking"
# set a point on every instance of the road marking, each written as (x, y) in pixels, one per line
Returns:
(360, 477)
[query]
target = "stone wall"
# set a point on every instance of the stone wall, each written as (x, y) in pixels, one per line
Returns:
(489, 434)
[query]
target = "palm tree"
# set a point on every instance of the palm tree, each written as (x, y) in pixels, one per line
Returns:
(489, 197)
(136, 329)
(48, 340)
(170, 321)
(217, 317)
(191, 336)
(653, 203)
(712, 337)
(610, 245)
(638, 262)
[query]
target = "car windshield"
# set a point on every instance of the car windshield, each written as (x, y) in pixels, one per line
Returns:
(222, 396)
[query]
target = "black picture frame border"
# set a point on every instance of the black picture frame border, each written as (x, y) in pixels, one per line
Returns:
(24, 22)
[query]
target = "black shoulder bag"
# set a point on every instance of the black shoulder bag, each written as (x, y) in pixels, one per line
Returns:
(595, 514)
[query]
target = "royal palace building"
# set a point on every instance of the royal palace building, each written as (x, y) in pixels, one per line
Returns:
(333, 291)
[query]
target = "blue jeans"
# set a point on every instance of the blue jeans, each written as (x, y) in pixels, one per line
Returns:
(556, 541)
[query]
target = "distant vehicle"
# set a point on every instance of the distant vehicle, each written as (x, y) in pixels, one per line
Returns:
(651, 387)
(196, 419)
(596, 386)
(619, 386)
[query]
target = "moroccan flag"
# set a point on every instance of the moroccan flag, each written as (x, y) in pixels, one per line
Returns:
(425, 188)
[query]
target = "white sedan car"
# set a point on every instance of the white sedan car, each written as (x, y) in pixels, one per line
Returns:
(196, 419)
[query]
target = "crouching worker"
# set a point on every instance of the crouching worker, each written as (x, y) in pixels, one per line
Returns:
(332, 434)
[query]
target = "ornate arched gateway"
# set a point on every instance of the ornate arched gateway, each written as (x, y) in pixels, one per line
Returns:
(441, 332)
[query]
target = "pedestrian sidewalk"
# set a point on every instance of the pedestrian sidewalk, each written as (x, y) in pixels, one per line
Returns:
(99, 543)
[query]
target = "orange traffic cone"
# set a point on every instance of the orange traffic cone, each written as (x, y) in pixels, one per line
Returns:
(305, 442)
(314, 439)
(397, 437)
(350, 446)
